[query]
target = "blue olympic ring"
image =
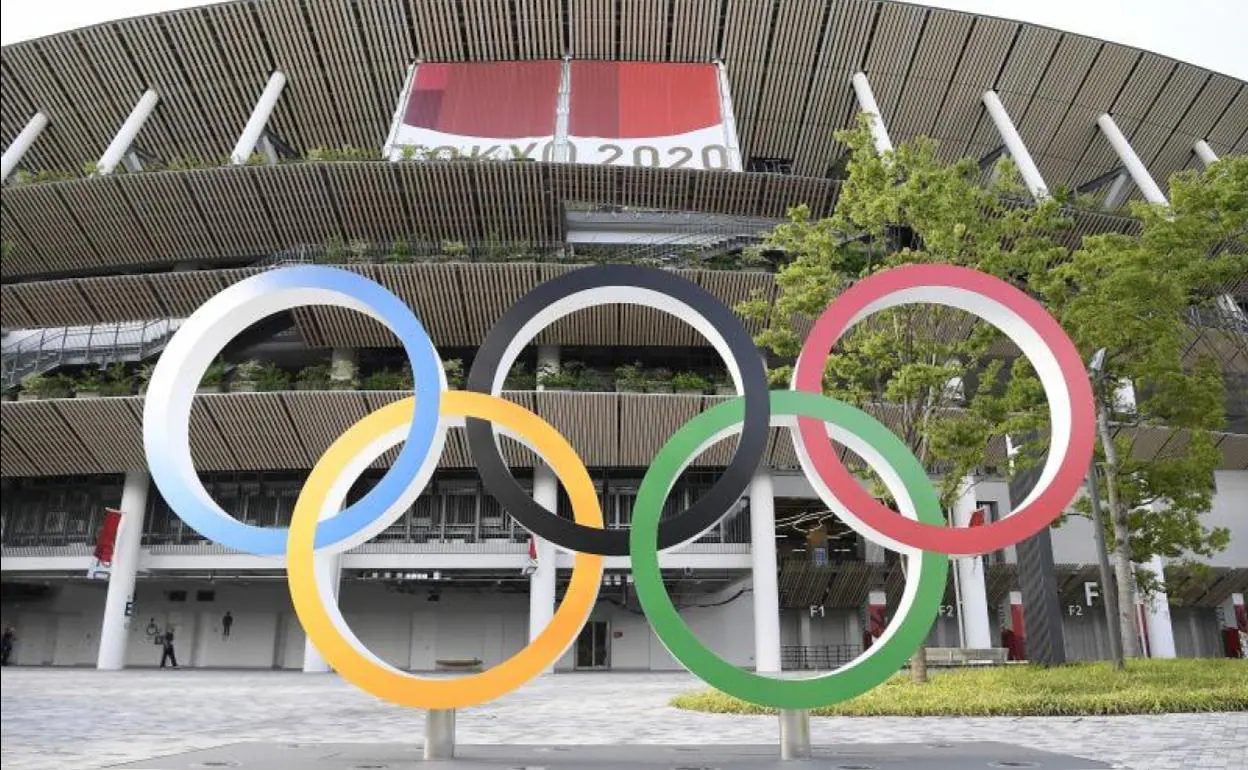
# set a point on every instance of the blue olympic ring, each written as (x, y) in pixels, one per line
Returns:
(166, 417)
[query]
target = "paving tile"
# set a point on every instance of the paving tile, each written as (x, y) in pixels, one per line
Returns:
(54, 719)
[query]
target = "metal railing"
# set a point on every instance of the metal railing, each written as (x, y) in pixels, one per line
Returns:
(56, 547)
(1224, 315)
(27, 353)
(731, 536)
(820, 658)
(685, 247)
(47, 551)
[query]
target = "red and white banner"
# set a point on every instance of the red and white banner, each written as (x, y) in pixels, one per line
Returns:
(657, 115)
(105, 545)
(531, 567)
(648, 114)
(495, 110)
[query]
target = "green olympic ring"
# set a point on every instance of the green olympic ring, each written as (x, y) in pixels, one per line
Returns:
(868, 670)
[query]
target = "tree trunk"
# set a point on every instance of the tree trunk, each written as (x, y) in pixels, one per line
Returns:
(1122, 546)
(918, 666)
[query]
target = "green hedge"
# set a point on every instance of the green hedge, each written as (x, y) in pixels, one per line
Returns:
(1146, 687)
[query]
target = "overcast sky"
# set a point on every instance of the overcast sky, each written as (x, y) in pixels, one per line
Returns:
(1209, 33)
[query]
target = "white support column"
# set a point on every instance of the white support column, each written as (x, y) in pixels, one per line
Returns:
(1117, 193)
(1135, 167)
(547, 358)
(803, 627)
(973, 612)
(120, 145)
(542, 581)
(313, 662)
(874, 552)
(1157, 614)
(853, 628)
(1014, 143)
(247, 140)
(21, 143)
(342, 368)
(866, 101)
(119, 602)
(729, 117)
(766, 584)
(546, 493)
(1205, 152)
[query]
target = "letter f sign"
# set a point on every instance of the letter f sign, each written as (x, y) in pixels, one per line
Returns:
(1090, 592)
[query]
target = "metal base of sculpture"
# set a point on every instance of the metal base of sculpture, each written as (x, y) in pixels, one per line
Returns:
(398, 756)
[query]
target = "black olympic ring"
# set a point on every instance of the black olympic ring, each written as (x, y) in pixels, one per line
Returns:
(499, 350)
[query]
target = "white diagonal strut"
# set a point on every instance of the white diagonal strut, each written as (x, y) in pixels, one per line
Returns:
(866, 102)
(1135, 167)
(14, 152)
(120, 145)
(247, 140)
(1205, 152)
(1014, 143)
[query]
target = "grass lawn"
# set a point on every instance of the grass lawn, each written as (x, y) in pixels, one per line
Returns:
(1146, 687)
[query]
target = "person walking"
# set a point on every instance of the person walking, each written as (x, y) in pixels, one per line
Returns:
(227, 623)
(167, 653)
(6, 645)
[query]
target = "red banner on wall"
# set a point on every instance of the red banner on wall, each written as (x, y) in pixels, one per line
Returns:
(107, 538)
(105, 545)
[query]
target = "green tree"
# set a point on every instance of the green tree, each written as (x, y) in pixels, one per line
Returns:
(947, 383)
(937, 375)
(1133, 297)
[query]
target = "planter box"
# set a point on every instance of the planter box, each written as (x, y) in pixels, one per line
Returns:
(212, 389)
(691, 392)
(87, 394)
(621, 388)
(37, 397)
(725, 390)
(660, 387)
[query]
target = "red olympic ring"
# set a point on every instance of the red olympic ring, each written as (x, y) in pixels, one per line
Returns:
(1041, 339)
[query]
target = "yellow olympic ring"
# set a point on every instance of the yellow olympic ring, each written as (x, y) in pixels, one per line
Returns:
(369, 673)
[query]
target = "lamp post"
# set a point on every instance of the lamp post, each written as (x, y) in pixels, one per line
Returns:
(1109, 592)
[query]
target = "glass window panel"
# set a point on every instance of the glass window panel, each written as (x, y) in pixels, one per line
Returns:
(494, 522)
(424, 515)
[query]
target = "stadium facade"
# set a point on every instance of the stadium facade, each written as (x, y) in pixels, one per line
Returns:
(151, 162)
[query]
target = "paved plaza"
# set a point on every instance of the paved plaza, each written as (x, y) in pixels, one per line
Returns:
(80, 718)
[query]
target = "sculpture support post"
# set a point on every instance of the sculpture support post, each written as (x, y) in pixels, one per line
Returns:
(794, 725)
(794, 734)
(440, 734)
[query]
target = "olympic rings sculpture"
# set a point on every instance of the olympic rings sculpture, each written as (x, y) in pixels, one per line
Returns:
(321, 526)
